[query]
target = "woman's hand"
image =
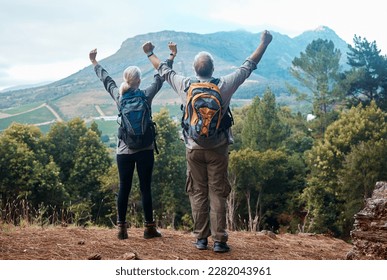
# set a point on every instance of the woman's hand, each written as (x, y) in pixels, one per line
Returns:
(93, 56)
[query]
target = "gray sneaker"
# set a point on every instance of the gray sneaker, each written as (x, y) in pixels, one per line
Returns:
(221, 247)
(201, 244)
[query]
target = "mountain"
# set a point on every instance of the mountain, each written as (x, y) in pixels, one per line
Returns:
(26, 86)
(79, 93)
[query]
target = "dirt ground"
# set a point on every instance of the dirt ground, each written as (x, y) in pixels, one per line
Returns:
(76, 243)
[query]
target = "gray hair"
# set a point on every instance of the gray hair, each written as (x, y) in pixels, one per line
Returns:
(132, 79)
(204, 64)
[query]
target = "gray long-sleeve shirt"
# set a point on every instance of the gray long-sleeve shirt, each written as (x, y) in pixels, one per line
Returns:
(228, 85)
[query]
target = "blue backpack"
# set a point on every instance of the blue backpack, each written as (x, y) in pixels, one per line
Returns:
(137, 128)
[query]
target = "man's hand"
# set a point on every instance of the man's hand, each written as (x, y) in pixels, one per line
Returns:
(148, 48)
(93, 56)
(266, 38)
(173, 48)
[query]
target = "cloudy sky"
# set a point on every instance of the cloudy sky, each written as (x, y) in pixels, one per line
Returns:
(47, 40)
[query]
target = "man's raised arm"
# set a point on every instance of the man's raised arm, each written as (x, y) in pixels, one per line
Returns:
(148, 49)
(266, 38)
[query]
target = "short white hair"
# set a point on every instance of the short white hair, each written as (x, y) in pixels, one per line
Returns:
(204, 64)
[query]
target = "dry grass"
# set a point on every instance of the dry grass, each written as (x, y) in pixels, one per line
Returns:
(76, 243)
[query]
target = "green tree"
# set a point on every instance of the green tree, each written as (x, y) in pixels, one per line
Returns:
(82, 159)
(27, 171)
(257, 176)
(239, 116)
(367, 79)
(63, 141)
(263, 129)
(362, 168)
(91, 160)
(16, 165)
(280, 137)
(243, 166)
(318, 69)
(168, 183)
(106, 198)
(47, 188)
(326, 194)
(298, 138)
(94, 127)
(90, 163)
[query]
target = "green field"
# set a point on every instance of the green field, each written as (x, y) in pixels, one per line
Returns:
(43, 117)
(107, 127)
(21, 109)
(38, 116)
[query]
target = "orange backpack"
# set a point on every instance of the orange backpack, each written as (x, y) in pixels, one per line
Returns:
(203, 118)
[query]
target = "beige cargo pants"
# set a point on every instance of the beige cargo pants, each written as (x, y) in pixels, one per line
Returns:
(208, 187)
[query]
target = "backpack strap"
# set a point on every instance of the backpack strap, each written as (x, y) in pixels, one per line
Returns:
(191, 81)
(215, 81)
(195, 80)
(227, 119)
(154, 140)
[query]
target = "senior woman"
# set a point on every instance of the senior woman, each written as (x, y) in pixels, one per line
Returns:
(128, 158)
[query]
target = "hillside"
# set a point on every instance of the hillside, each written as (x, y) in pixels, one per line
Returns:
(75, 243)
(80, 93)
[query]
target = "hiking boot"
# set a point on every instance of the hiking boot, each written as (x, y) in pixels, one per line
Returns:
(221, 247)
(201, 244)
(151, 231)
(122, 230)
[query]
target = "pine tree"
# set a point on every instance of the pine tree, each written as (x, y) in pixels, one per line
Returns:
(318, 69)
(366, 81)
(263, 129)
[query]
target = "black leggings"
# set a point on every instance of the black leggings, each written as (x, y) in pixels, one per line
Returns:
(144, 163)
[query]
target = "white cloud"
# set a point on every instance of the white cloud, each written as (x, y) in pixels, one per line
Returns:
(293, 17)
(57, 34)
